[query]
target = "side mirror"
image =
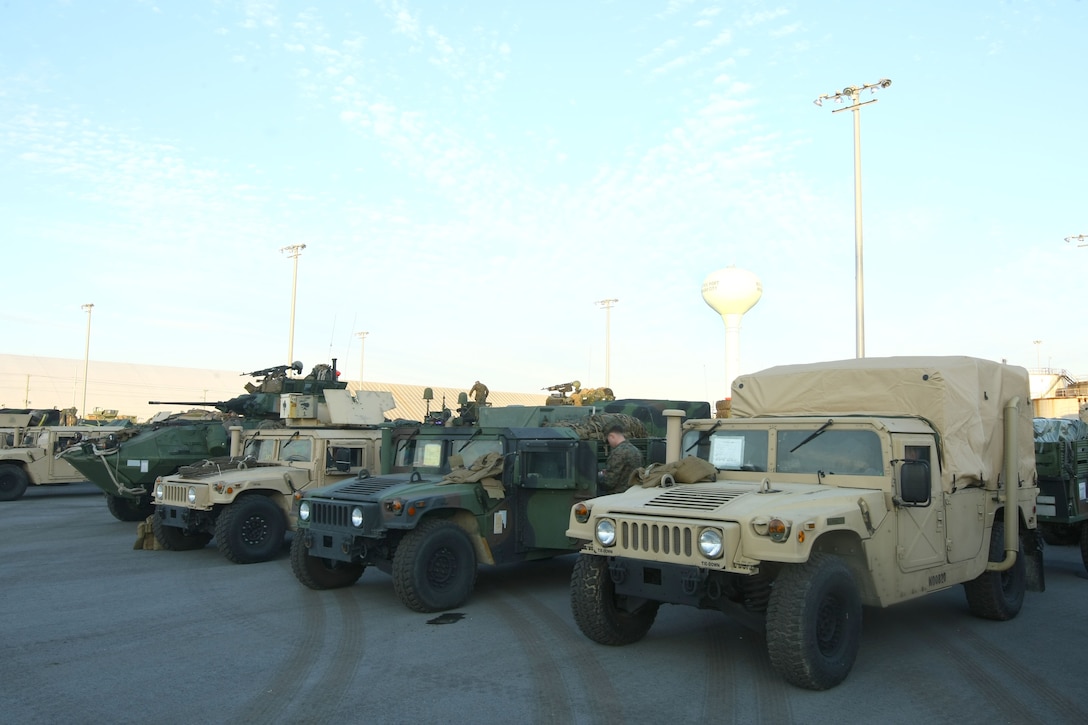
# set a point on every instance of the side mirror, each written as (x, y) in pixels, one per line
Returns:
(914, 483)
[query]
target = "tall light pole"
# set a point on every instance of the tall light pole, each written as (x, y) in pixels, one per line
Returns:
(362, 356)
(86, 356)
(607, 305)
(293, 251)
(853, 93)
(1080, 239)
(1038, 360)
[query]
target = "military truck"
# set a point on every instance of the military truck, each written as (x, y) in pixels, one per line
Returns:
(245, 501)
(127, 464)
(1061, 459)
(834, 486)
(495, 494)
(30, 449)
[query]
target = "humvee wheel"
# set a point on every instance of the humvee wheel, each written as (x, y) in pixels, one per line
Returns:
(601, 615)
(434, 567)
(13, 482)
(1084, 544)
(998, 594)
(127, 509)
(814, 622)
(250, 530)
(320, 573)
(174, 539)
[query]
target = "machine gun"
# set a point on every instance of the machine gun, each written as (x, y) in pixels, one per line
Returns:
(276, 371)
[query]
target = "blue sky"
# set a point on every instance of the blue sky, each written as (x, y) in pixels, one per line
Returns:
(469, 179)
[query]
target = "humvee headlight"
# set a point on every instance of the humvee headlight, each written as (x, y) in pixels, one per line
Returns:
(304, 511)
(357, 517)
(606, 532)
(191, 494)
(778, 530)
(710, 543)
(158, 491)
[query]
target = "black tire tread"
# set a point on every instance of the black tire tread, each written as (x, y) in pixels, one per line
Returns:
(593, 604)
(315, 573)
(986, 594)
(790, 627)
(408, 580)
(13, 482)
(125, 509)
(228, 536)
(172, 538)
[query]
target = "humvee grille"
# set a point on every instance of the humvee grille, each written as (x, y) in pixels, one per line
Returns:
(174, 495)
(334, 515)
(656, 538)
(695, 498)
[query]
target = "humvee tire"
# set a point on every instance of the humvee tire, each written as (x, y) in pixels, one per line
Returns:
(814, 622)
(174, 539)
(13, 482)
(434, 567)
(597, 610)
(998, 595)
(250, 530)
(126, 509)
(319, 573)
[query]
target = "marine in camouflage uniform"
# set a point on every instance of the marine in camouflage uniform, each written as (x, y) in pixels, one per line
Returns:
(622, 462)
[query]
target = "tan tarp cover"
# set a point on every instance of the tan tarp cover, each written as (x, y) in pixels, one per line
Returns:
(962, 397)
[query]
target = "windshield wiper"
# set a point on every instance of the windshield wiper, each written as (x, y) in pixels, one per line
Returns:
(815, 433)
(704, 435)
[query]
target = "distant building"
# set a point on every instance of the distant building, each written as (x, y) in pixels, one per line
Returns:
(45, 382)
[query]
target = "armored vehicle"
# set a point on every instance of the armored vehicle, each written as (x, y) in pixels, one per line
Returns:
(245, 501)
(495, 494)
(834, 486)
(1061, 459)
(126, 465)
(30, 449)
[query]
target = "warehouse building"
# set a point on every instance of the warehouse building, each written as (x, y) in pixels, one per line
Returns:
(28, 381)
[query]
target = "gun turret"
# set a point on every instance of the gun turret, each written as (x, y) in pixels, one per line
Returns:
(249, 405)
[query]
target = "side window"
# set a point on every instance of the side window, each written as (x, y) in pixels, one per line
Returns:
(550, 468)
(344, 458)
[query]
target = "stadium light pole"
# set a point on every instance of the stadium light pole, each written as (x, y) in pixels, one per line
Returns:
(362, 357)
(607, 305)
(293, 251)
(1080, 239)
(86, 355)
(853, 93)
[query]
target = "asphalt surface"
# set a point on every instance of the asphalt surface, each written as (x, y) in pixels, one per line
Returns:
(95, 631)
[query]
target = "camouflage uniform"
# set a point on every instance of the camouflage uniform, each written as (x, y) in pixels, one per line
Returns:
(622, 462)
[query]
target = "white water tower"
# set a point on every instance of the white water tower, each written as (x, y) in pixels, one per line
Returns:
(731, 292)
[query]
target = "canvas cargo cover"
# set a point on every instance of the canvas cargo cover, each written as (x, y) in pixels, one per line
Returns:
(962, 397)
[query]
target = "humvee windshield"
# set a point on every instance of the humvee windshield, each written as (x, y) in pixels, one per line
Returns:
(732, 450)
(841, 452)
(435, 453)
(262, 449)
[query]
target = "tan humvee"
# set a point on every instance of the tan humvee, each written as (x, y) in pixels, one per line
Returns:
(29, 453)
(833, 486)
(246, 502)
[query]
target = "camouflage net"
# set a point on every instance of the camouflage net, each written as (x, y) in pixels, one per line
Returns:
(595, 427)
